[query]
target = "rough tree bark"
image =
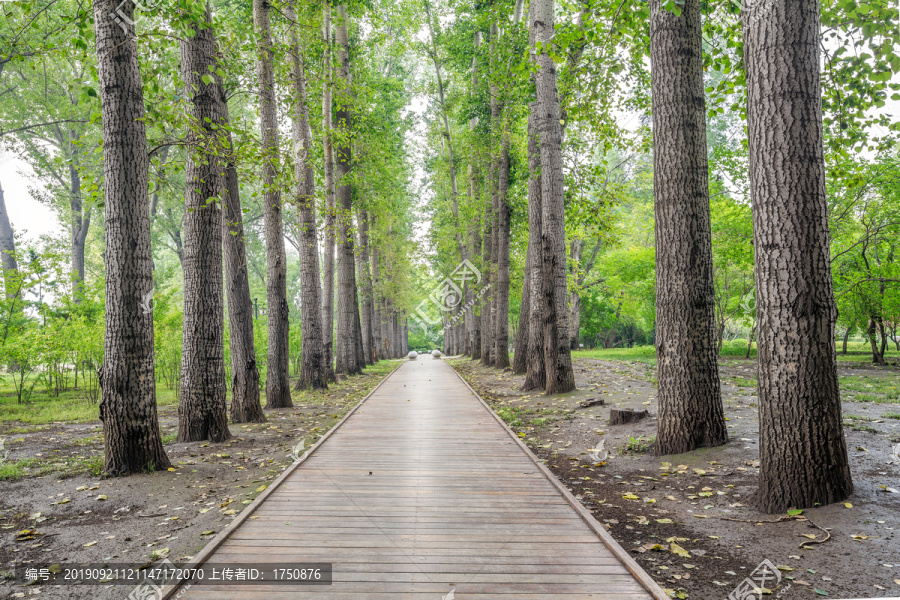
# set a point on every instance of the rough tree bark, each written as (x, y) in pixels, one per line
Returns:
(404, 337)
(494, 158)
(345, 348)
(690, 403)
(81, 223)
(557, 357)
(872, 334)
(329, 233)
(278, 390)
(313, 365)
(501, 331)
(201, 409)
(357, 333)
(574, 302)
(803, 454)
(535, 375)
(473, 320)
(367, 312)
(486, 339)
(520, 364)
(245, 405)
(131, 437)
(376, 299)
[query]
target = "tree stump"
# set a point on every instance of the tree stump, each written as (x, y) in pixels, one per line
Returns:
(623, 416)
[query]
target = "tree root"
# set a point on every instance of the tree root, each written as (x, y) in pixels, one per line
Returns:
(782, 519)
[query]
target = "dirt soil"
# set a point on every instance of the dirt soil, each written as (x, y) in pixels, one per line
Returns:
(686, 518)
(137, 519)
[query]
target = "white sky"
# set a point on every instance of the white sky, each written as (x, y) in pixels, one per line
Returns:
(29, 218)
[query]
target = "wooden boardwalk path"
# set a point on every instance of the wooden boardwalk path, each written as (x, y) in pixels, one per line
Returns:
(422, 493)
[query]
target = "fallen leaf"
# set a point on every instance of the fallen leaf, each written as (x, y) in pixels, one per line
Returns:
(89, 544)
(676, 549)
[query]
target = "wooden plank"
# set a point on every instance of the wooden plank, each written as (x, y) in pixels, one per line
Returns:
(421, 490)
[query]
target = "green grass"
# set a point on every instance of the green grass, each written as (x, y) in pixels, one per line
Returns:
(350, 385)
(66, 466)
(73, 407)
(880, 390)
(510, 415)
(891, 415)
(639, 444)
(859, 418)
(644, 354)
(744, 382)
(647, 354)
(69, 406)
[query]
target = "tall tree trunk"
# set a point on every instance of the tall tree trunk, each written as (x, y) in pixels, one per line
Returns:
(11, 284)
(404, 336)
(557, 357)
(520, 364)
(81, 224)
(846, 338)
(396, 349)
(357, 333)
(245, 405)
(574, 302)
(691, 413)
(278, 390)
(872, 334)
(494, 158)
(376, 300)
(486, 336)
(803, 454)
(313, 365)
(367, 312)
(387, 351)
(690, 403)
(474, 321)
(501, 332)
(329, 235)
(535, 374)
(131, 437)
(348, 313)
(201, 409)
(750, 341)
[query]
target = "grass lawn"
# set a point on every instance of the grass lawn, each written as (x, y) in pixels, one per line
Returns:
(856, 352)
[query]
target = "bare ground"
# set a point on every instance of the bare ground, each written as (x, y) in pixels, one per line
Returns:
(649, 503)
(59, 519)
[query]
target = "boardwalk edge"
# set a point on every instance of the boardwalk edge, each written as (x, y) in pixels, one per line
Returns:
(169, 591)
(633, 567)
